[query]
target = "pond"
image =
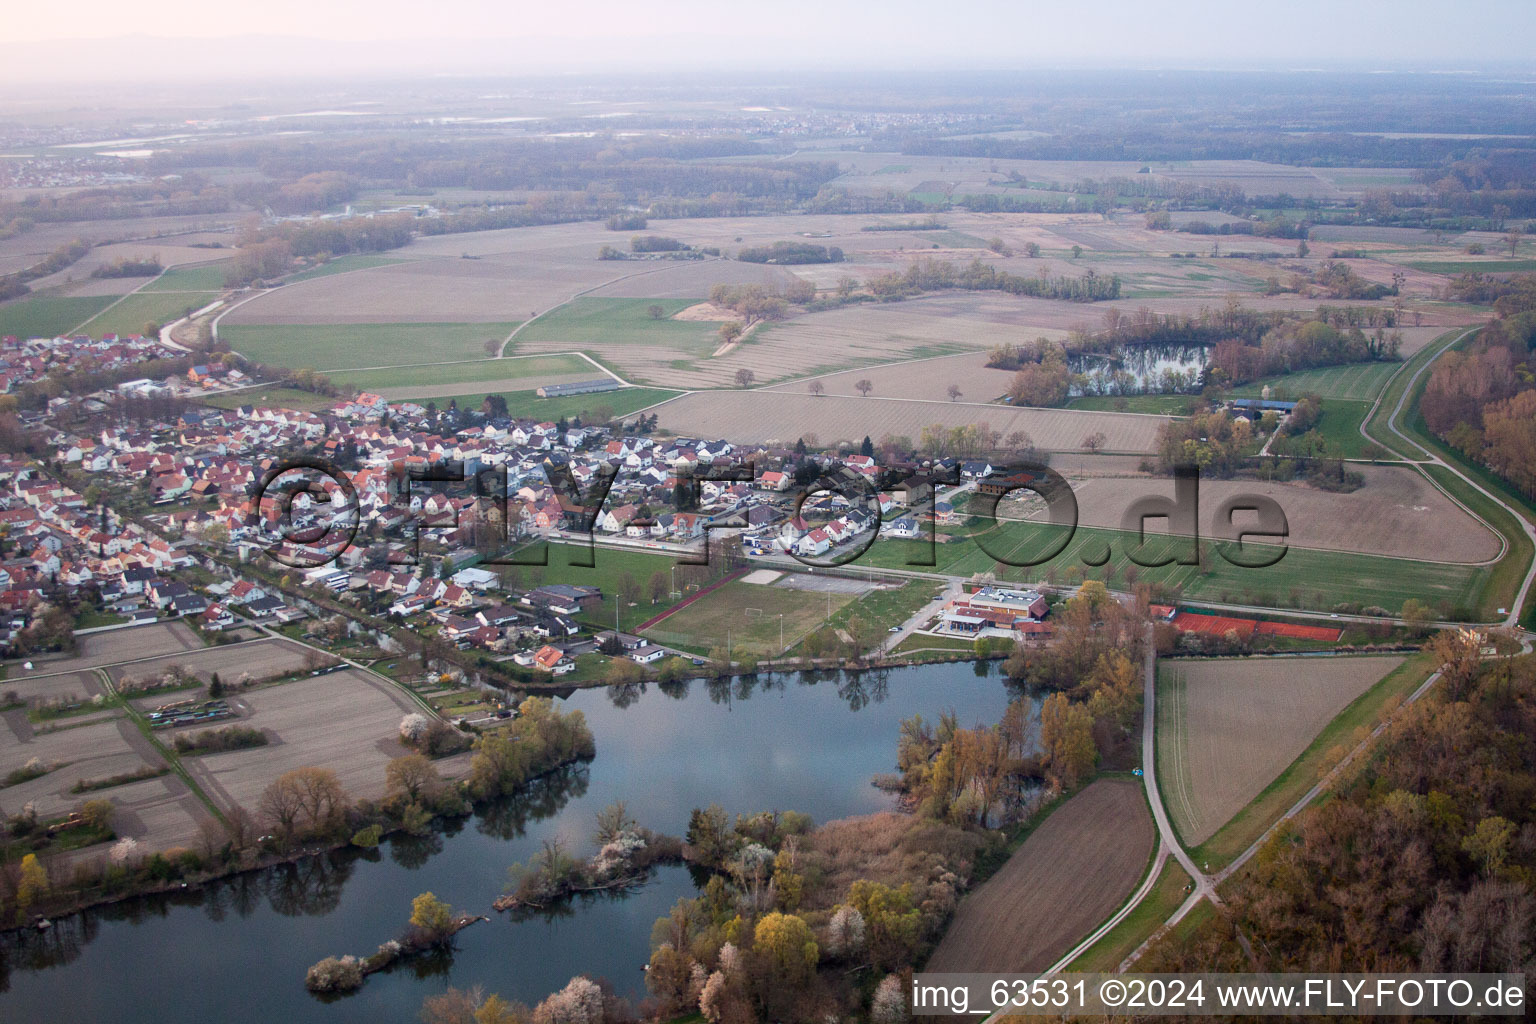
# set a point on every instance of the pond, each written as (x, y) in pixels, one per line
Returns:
(238, 950)
(1140, 369)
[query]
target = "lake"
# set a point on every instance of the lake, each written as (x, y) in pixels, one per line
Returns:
(1141, 369)
(237, 950)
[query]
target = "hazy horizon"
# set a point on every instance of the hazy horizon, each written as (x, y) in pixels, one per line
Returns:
(177, 39)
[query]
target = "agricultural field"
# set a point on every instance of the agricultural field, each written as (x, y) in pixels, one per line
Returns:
(601, 406)
(205, 277)
(342, 265)
(777, 417)
(135, 311)
(918, 379)
(348, 346)
(1070, 874)
(1167, 893)
(439, 380)
(117, 646)
(256, 659)
(1228, 728)
(751, 614)
(1303, 578)
(48, 316)
(1397, 513)
(346, 721)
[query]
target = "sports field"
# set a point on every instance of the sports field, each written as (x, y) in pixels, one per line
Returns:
(749, 615)
(348, 346)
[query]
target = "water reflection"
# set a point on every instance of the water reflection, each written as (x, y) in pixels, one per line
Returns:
(1140, 369)
(809, 741)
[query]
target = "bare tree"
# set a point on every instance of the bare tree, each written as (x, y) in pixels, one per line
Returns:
(954, 392)
(818, 388)
(1093, 442)
(865, 386)
(745, 377)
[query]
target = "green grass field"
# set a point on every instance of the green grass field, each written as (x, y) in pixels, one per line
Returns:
(588, 320)
(531, 369)
(1336, 739)
(48, 316)
(272, 396)
(751, 614)
(881, 609)
(1163, 405)
(345, 346)
(1305, 578)
(1136, 927)
(202, 277)
(1360, 382)
(527, 404)
(140, 309)
(1340, 430)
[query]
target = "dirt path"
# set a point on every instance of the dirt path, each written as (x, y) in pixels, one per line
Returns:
(1070, 874)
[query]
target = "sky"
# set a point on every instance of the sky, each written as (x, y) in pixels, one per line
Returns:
(625, 35)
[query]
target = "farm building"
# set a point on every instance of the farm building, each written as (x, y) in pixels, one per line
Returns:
(583, 387)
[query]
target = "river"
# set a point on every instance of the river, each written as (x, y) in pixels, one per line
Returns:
(237, 950)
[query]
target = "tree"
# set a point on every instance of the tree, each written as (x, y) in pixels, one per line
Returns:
(304, 800)
(954, 392)
(1416, 616)
(412, 779)
(1512, 239)
(788, 950)
(431, 918)
(1094, 441)
(655, 311)
(33, 883)
(864, 386)
(658, 586)
(867, 447)
(215, 686)
(1077, 251)
(730, 331)
(1032, 249)
(892, 924)
(1066, 733)
(1456, 652)
(889, 1005)
(817, 388)
(1489, 843)
(745, 377)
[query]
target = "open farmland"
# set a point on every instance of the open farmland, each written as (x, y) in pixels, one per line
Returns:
(47, 316)
(345, 721)
(489, 289)
(925, 379)
(132, 313)
(1303, 578)
(751, 614)
(437, 380)
(601, 405)
(1070, 874)
(348, 346)
(1226, 729)
(776, 417)
(1396, 513)
(258, 659)
(119, 645)
(97, 750)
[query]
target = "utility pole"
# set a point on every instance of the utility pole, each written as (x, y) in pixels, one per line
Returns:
(781, 632)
